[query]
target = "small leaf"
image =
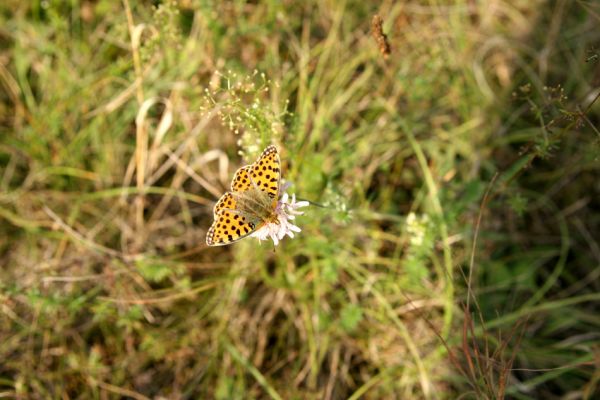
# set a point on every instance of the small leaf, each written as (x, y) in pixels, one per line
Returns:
(351, 316)
(154, 270)
(330, 272)
(518, 204)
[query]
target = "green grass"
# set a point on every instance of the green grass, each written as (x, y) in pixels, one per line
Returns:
(455, 252)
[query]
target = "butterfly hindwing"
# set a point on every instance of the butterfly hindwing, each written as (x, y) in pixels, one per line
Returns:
(265, 173)
(228, 227)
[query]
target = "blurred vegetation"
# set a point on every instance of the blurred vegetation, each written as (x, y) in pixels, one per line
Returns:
(457, 252)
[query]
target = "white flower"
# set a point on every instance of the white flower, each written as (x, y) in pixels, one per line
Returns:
(286, 211)
(417, 226)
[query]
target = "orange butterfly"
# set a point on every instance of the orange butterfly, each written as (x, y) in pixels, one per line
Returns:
(252, 202)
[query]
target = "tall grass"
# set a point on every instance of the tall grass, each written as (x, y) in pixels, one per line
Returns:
(454, 251)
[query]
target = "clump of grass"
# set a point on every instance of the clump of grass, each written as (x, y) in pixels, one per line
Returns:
(525, 289)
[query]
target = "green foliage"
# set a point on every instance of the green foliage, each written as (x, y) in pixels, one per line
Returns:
(350, 317)
(154, 270)
(165, 31)
(240, 107)
(464, 164)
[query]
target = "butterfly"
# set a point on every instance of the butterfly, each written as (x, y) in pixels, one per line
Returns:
(250, 204)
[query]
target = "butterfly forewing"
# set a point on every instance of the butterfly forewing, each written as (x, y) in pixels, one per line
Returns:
(266, 172)
(241, 180)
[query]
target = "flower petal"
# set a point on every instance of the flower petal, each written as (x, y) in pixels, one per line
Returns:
(286, 211)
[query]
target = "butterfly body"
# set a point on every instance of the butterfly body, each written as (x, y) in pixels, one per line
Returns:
(251, 203)
(256, 205)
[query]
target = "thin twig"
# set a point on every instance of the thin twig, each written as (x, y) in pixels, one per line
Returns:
(82, 239)
(141, 135)
(475, 236)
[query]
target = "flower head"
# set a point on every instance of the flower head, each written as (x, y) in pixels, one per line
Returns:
(285, 211)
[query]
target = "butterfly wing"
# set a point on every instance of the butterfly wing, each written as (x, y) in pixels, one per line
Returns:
(265, 173)
(241, 180)
(226, 201)
(229, 227)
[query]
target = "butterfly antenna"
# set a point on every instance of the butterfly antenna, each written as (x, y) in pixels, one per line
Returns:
(312, 203)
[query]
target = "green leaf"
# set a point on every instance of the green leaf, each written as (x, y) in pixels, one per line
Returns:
(351, 316)
(154, 270)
